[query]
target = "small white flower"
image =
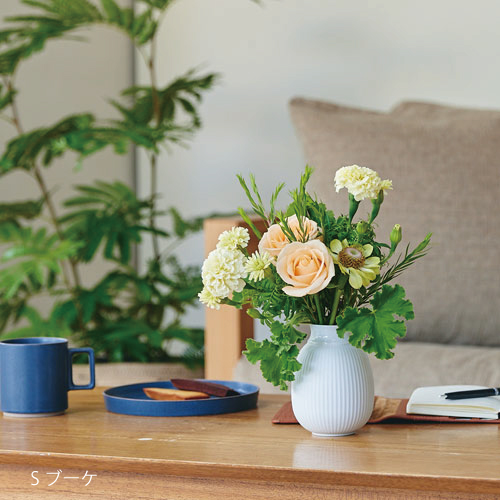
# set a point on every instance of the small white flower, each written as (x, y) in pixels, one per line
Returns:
(223, 272)
(361, 182)
(257, 264)
(237, 237)
(210, 300)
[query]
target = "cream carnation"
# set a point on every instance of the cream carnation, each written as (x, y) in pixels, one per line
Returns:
(237, 237)
(223, 272)
(385, 185)
(307, 267)
(361, 182)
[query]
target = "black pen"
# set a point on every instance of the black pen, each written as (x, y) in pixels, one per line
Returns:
(474, 393)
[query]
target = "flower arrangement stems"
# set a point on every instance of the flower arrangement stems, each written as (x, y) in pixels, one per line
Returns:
(335, 306)
(318, 309)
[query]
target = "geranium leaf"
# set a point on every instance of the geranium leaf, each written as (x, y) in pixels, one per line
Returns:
(377, 329)
(278, 355)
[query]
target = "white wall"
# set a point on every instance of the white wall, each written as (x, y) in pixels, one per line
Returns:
(364, 53)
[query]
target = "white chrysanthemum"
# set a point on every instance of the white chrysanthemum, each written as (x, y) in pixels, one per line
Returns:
(209, 299)
(237, 237)
(361, 182)
(223, 272)
(257, 264)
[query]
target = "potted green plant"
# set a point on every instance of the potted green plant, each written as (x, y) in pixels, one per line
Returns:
(127, 315)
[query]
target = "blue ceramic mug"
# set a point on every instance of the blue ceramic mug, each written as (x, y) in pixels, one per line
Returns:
(36, 375)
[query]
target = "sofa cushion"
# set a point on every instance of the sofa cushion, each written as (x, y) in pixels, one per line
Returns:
(415, 364)
(445, 167)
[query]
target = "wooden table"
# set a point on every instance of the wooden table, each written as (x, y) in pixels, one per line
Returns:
(239, 456)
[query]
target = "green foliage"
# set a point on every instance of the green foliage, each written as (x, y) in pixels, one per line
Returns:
(254, 198)
(52, 19)
(402, 263)
(140, 28)
(74, 12)
(108, 214)
(11, 212)
(376, 330)
(158, 4)
(6, 96)
(158, 109)
(29, 33)
(127, 315)
(278, 355)
(76, 133)
(39, 326)
(183, 227)
(32, 258)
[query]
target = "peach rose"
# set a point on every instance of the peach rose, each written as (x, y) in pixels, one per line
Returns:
(274, 239)
(308, 267)
(310, 228)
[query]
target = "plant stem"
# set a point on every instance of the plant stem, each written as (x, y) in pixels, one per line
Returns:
(335, 306)
(152, 218)
(311, 310)
(46, 194)
(154, 85)
(7, 119)
(318, 308)
(53, 218)
(154, 156)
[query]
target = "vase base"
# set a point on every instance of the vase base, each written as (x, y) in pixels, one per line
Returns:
(316, 434)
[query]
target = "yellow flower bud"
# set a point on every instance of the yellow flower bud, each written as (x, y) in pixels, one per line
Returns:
(396, 236)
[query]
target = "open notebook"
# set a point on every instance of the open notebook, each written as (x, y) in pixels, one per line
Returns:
(428, 401)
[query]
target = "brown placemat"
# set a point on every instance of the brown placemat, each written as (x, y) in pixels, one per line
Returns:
(386, 410)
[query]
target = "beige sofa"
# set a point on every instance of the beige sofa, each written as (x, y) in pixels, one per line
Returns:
(445, 166)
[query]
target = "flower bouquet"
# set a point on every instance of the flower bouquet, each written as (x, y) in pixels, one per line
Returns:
(313, 266)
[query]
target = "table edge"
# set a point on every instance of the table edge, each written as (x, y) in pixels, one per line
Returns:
(250, 472)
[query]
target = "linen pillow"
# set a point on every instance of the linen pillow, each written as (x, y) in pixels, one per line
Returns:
(445, 166)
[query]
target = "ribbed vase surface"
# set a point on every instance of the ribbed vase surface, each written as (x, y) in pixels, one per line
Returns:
(332, 394)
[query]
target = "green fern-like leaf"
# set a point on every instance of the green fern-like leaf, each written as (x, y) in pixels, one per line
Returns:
(6, 96)
(28, 34)
(11, 212)
(163, 105)
(30, 258)
(77, 133)
(113, 12)
(158, 4)
(109, 214)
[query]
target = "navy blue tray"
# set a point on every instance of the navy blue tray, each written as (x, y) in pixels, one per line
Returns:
(131, 400)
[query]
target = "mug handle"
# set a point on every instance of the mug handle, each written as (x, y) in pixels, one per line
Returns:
(78, 350)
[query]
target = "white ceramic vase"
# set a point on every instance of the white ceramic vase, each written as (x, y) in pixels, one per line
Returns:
(332, 394)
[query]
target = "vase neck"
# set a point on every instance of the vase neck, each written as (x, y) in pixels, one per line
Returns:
(326, 333)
